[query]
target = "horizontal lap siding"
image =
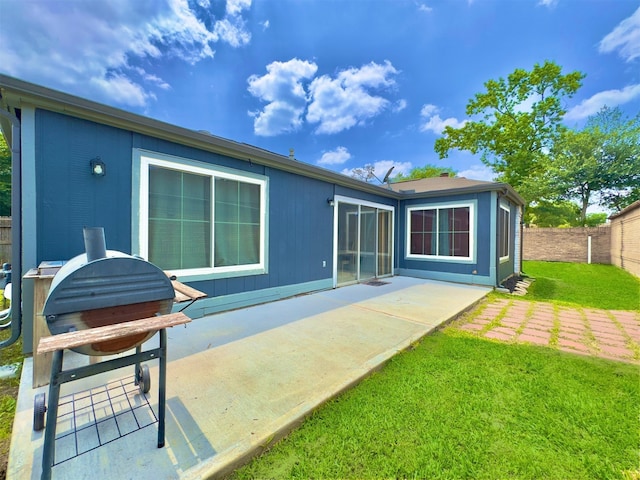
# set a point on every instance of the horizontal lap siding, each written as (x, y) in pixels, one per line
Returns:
(300, 234)
(68, 196)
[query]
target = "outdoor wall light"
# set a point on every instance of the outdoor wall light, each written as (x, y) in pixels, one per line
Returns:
(98, 168)
(330, 202)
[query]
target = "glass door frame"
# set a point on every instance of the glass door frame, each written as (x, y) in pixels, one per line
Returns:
(339, 199)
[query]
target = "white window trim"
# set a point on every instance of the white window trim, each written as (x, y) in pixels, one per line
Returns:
(145, 159)
(508, 210)
(441, 206)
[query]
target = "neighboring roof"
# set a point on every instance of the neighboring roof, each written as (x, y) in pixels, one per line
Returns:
(434, 186)
(633, 206)
(16, 94)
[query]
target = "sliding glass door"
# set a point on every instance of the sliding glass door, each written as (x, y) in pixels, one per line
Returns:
(348, 238)
(365, 242)
(385, 240)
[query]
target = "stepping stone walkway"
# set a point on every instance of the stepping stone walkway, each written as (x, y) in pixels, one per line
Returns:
(611, 334)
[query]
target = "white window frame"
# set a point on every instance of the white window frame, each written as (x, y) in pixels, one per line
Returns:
(338, 199)
(442, 206)
(146, 159)
(508, 232)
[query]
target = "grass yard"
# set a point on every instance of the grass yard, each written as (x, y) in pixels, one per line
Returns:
(8, 395)
(595, 285)
(462, 407)
(458, 406)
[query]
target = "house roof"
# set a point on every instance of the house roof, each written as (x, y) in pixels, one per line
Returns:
(16, 94)
(436, 186)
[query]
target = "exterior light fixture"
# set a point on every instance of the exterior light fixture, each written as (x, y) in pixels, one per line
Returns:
(330, 202)
(98, 168)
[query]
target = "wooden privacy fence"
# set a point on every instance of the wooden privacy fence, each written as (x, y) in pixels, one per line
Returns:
(5, 240)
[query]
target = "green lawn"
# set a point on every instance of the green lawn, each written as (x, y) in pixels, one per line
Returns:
(598, 286)
(8, 395)
(462, 407)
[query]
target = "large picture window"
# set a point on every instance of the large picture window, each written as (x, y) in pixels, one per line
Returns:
(440, 232)
(504, 232)
(196, 219)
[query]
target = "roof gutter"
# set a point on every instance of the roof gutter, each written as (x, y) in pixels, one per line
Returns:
(16, 230)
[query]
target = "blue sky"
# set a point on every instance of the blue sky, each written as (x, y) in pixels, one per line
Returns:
(343, 82)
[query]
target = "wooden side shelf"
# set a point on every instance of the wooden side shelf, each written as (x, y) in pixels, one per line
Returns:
(110, 332)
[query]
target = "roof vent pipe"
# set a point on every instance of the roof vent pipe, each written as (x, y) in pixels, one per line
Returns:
(291, 154)
(94, 243)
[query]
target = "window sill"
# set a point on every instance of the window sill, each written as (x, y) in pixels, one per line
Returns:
(435, 258)
(186, 276)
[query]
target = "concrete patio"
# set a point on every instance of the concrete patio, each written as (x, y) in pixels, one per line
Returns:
(236, 382)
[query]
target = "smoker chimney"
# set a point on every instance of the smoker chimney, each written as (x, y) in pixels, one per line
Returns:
(291, 155)
(94, 243)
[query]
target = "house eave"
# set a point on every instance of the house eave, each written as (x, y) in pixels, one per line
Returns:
(505, 188)
(16, 93)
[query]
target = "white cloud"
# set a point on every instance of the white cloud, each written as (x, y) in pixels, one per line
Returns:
(610, 98)
(381, 168)
(399, 105)
(235, 7)
(478, 172)
(548, 3)
(433, 122)
(266, 24)
(428, 110)
(122, 90)
(93, 46)
(232, 31)
(335, 157)
(425, 8)
(282, 87)
(625, 38)
(340, 103)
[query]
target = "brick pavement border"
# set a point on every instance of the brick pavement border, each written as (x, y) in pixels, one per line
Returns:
(613, 335)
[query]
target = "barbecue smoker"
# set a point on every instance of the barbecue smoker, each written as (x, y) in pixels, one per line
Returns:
(102, 303)
(103, 287)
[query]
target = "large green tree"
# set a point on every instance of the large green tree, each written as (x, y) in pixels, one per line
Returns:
(544, 213)
(515, 123)
(5, 178)
(600, 163)
(427, 171)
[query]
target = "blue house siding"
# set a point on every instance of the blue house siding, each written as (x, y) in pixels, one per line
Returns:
(352, 193)
(60, 134)
(300, 223)
(479, 269)
(68, 197)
